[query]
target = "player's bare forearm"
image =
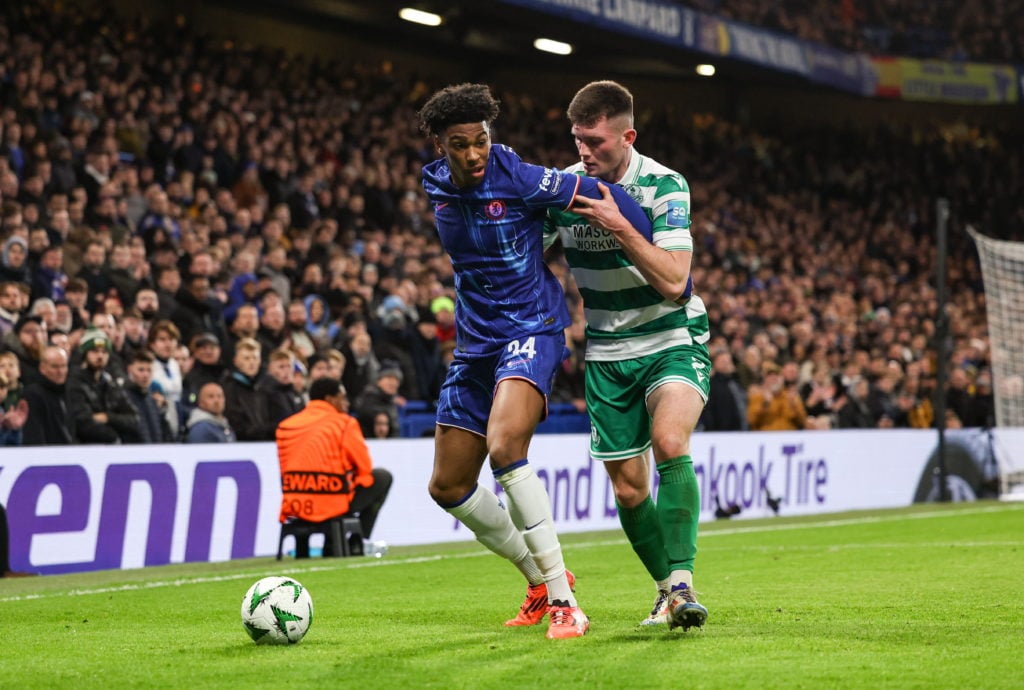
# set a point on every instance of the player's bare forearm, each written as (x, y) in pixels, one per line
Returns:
(666, 271)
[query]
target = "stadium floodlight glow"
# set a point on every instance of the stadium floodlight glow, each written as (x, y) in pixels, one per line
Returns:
(705, 70)
(551, 46)
(419, 17)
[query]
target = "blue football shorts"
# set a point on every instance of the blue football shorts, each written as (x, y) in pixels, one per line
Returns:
(468, 389)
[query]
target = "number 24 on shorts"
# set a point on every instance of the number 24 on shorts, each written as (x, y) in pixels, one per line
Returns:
(525, 348)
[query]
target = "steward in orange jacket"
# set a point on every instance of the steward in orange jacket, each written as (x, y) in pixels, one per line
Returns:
(324, 458)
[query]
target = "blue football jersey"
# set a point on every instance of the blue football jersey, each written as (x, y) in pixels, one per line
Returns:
(493, 233)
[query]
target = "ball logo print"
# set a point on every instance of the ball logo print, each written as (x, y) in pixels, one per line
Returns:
(277, 610)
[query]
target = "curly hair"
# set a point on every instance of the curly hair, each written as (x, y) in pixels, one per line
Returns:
(456, 105)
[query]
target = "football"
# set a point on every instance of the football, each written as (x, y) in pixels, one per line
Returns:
(277, 610)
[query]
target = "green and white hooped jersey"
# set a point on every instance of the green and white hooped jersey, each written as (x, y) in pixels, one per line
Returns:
(626, 317)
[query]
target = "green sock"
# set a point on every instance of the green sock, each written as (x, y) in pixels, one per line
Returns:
(643, 529)
(679, 511)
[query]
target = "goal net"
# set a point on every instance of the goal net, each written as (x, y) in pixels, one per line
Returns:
(1002, 268)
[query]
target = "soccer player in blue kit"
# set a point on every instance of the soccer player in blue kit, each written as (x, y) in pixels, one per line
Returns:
(489, 208)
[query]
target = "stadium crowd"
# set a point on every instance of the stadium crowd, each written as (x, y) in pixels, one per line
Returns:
(977, 30)
(192, 231)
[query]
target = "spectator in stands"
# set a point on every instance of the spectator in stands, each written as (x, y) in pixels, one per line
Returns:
(100, 409)
(153, 426)
(426, 358)
(12, 416)
(323, 441)
(318, 323)
(94, 273)
(245, 406)
(361, 366)
(772, 406)
(206, 422)
(726, 409)
(27, 341)
(168, 283)
(207, 366)
(381, 396)
(117, 362)
(14, 260)
(147, 302)
(854, 413)
(822, 397)
(10, 301)
(278, 385)
(48, 421)
(11, 370)
(198, 311)
(444, 311)
(48, 278)
(163, 341)
(275, 262)
(296, 335)
(382, 426)
(77, 296)
(272, 334)
(335, 363)
(133, 329)
(124, 277)
(246, 324)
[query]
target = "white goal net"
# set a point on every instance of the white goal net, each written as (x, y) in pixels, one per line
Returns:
(1002, 268)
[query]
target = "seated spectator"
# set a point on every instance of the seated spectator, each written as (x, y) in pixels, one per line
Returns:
(277, 383)
(362, 366)
(12, 417)
(27, 341)
(10, 300)
(381, 396)
(153, 426)
(245, 406)
(206, 366)
(99, 406)
(772, 406)
(48, 422)
(163, 341)
(726, 409)
(14, 260)
(855, 413)
(207, 423)
(319, 445)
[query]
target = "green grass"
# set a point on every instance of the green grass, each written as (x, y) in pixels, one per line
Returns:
(926, 597)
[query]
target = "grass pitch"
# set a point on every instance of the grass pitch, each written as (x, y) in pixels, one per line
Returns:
(924, 597)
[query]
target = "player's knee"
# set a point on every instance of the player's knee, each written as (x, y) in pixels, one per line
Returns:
(629, 496)
(445, 494)
(671, 446)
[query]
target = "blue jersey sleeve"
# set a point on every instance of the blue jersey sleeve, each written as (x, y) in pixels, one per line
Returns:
(541, 187)
(631, 210)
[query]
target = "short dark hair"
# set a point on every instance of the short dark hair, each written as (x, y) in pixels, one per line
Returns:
(143, 356)
(599, 99)
(325, 387)
(456, 105)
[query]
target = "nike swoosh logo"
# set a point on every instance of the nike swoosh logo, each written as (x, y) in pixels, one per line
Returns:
(440, 206)
(529, 527)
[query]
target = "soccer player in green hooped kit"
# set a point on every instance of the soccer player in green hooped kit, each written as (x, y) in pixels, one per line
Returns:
(648, 369)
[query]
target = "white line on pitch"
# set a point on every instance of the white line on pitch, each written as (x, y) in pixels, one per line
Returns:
(384, 562)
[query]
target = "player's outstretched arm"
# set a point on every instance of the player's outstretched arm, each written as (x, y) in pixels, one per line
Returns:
(666, 271)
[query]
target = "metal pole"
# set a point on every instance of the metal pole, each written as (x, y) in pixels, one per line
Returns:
(942, 337)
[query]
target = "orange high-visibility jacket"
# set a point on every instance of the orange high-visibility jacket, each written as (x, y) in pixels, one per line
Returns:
(323, 458)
